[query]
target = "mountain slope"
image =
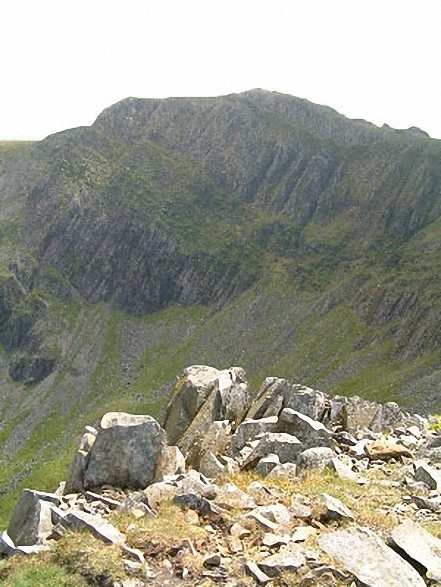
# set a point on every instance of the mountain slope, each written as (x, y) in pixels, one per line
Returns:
(255, 229)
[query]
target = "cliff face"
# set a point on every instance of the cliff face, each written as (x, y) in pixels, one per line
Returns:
(255, 228)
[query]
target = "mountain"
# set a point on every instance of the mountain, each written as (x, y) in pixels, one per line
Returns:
(256, 229)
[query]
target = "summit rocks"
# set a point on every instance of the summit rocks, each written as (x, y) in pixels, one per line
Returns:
(299, 509)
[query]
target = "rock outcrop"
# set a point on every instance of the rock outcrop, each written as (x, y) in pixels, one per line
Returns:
(263, 530)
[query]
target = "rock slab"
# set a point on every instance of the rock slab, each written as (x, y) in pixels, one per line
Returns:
(366, 556)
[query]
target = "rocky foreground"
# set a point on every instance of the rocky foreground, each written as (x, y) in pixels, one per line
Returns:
(293, 488)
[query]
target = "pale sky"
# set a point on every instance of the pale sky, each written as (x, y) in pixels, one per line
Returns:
(64, 61)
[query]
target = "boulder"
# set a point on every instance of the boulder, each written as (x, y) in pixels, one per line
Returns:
(191, 389)
(31, 521)
(314, 458)
(250, 429)
(365, 555)
(225, 397)
(385, 449)
(428, 475)
(266, 465)
(129, 451)
(310, 432)
(285, 446)
(420, 546)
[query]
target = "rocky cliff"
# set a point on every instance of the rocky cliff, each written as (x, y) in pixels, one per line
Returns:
(255, 228)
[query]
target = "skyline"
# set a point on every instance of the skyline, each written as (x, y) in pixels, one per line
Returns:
(66, 62)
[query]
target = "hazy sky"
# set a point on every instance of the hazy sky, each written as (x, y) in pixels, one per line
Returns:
(64, 61)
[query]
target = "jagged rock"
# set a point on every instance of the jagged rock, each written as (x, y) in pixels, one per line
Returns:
(191, 389)
(432, 504)
(285, 446)
(75, 479)
(428, 475)
(318, 458)
(174, 462)
(331, 508)
(267, 464)
(250, 429)
(300, 510)
(284, 561)
(31, 521)
(129, 451)
(270, 398)
(224, 398)
(310, 432)
(384, 448)
(365, 555)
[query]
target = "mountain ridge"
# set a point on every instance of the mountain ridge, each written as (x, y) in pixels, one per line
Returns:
(256, 228)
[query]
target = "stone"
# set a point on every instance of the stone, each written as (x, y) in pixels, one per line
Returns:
(227, 398)
(331, 508)
(420, 546)
(358, 413)
(428, 475)
(277, 513)
(202, 506)
(196, 482)
(262, 521)
(310, 432)
(270, 399)
(309, 402)
(174, 462)
(285, 446)
(314, 458)
(254, 571)
(250, 429)
(95, 524)
(210, 466)
(364, 554)
(266, 465)
(344, 472)
(129, 451)
(230, 496)
(8, 548)
(274, 540)
(159, 492)
(239, 531)
(276, 564)
(191, 389)
(75, 479)
(302, 533)
(284, 471)
(385, 449)
(31, 520)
